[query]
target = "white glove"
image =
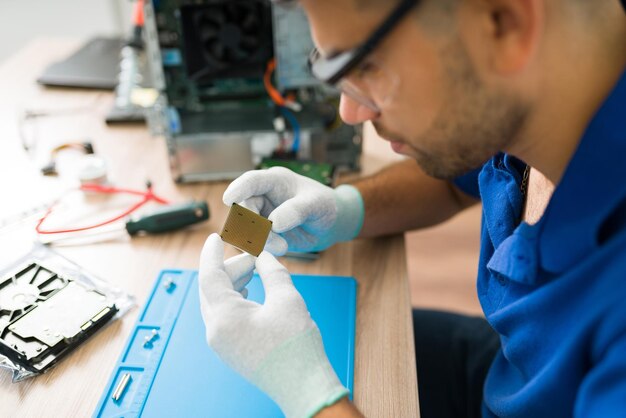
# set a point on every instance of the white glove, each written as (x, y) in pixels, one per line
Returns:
(240, 269)
(276, 346)
(308, 215)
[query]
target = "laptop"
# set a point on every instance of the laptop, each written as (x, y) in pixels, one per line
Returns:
(94, 65)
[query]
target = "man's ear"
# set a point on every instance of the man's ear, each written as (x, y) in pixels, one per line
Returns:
(514, 29)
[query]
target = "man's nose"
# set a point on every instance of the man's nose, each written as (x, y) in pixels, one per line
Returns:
(353, 112)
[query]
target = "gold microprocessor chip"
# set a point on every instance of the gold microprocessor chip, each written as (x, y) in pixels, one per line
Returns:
(246, 230)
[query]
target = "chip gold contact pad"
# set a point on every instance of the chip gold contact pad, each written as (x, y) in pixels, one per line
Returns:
(246, 230)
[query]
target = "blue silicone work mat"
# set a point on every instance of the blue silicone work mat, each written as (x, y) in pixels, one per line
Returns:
(174, 373)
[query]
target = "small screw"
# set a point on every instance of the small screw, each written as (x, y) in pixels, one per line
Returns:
(169, 284)
(148, 339)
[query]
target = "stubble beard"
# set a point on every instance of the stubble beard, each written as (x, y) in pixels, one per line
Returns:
(473, 125)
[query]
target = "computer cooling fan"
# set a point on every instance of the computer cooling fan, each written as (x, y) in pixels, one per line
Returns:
(227, 39)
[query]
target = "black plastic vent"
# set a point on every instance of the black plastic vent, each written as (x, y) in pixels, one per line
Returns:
(227, 39)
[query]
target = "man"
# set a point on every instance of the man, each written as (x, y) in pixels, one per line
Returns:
(518, 103)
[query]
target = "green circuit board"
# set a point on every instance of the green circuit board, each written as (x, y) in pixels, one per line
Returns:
(322, 172)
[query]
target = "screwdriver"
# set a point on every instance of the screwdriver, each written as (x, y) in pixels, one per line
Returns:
(169, 218)
(166, 219)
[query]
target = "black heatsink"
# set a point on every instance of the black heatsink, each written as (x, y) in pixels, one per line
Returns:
(227, 39)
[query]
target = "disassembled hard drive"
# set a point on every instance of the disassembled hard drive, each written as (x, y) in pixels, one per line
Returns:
(44, 316)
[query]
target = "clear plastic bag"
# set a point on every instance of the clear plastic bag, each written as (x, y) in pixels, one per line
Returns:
(69, 272)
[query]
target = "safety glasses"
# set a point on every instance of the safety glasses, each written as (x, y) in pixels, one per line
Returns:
(357, 74)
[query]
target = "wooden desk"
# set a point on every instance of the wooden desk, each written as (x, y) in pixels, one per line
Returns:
(385, 374)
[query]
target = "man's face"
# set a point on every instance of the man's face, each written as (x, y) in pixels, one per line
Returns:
(442, 114)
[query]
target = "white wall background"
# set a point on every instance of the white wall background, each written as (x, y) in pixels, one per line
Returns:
(24, 20)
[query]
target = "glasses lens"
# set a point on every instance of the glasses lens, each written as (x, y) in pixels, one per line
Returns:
(331, 69)
(372, 85)
(355, 93)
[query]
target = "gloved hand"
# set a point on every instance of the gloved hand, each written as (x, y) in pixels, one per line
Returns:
(306, 215)
(276, 346)
(240, 269)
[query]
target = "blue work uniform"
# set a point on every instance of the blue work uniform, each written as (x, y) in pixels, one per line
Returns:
(556, 291)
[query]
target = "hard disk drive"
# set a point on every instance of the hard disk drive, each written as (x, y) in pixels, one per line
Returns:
(44, 315)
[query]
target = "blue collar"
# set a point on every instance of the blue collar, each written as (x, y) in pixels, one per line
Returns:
(593, 185)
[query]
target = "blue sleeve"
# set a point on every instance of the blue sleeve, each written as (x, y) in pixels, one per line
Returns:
(603, 390)
(468, 183)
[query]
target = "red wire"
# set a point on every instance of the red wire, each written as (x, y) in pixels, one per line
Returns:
(111, 190)
(138, 18)
(147, 197)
